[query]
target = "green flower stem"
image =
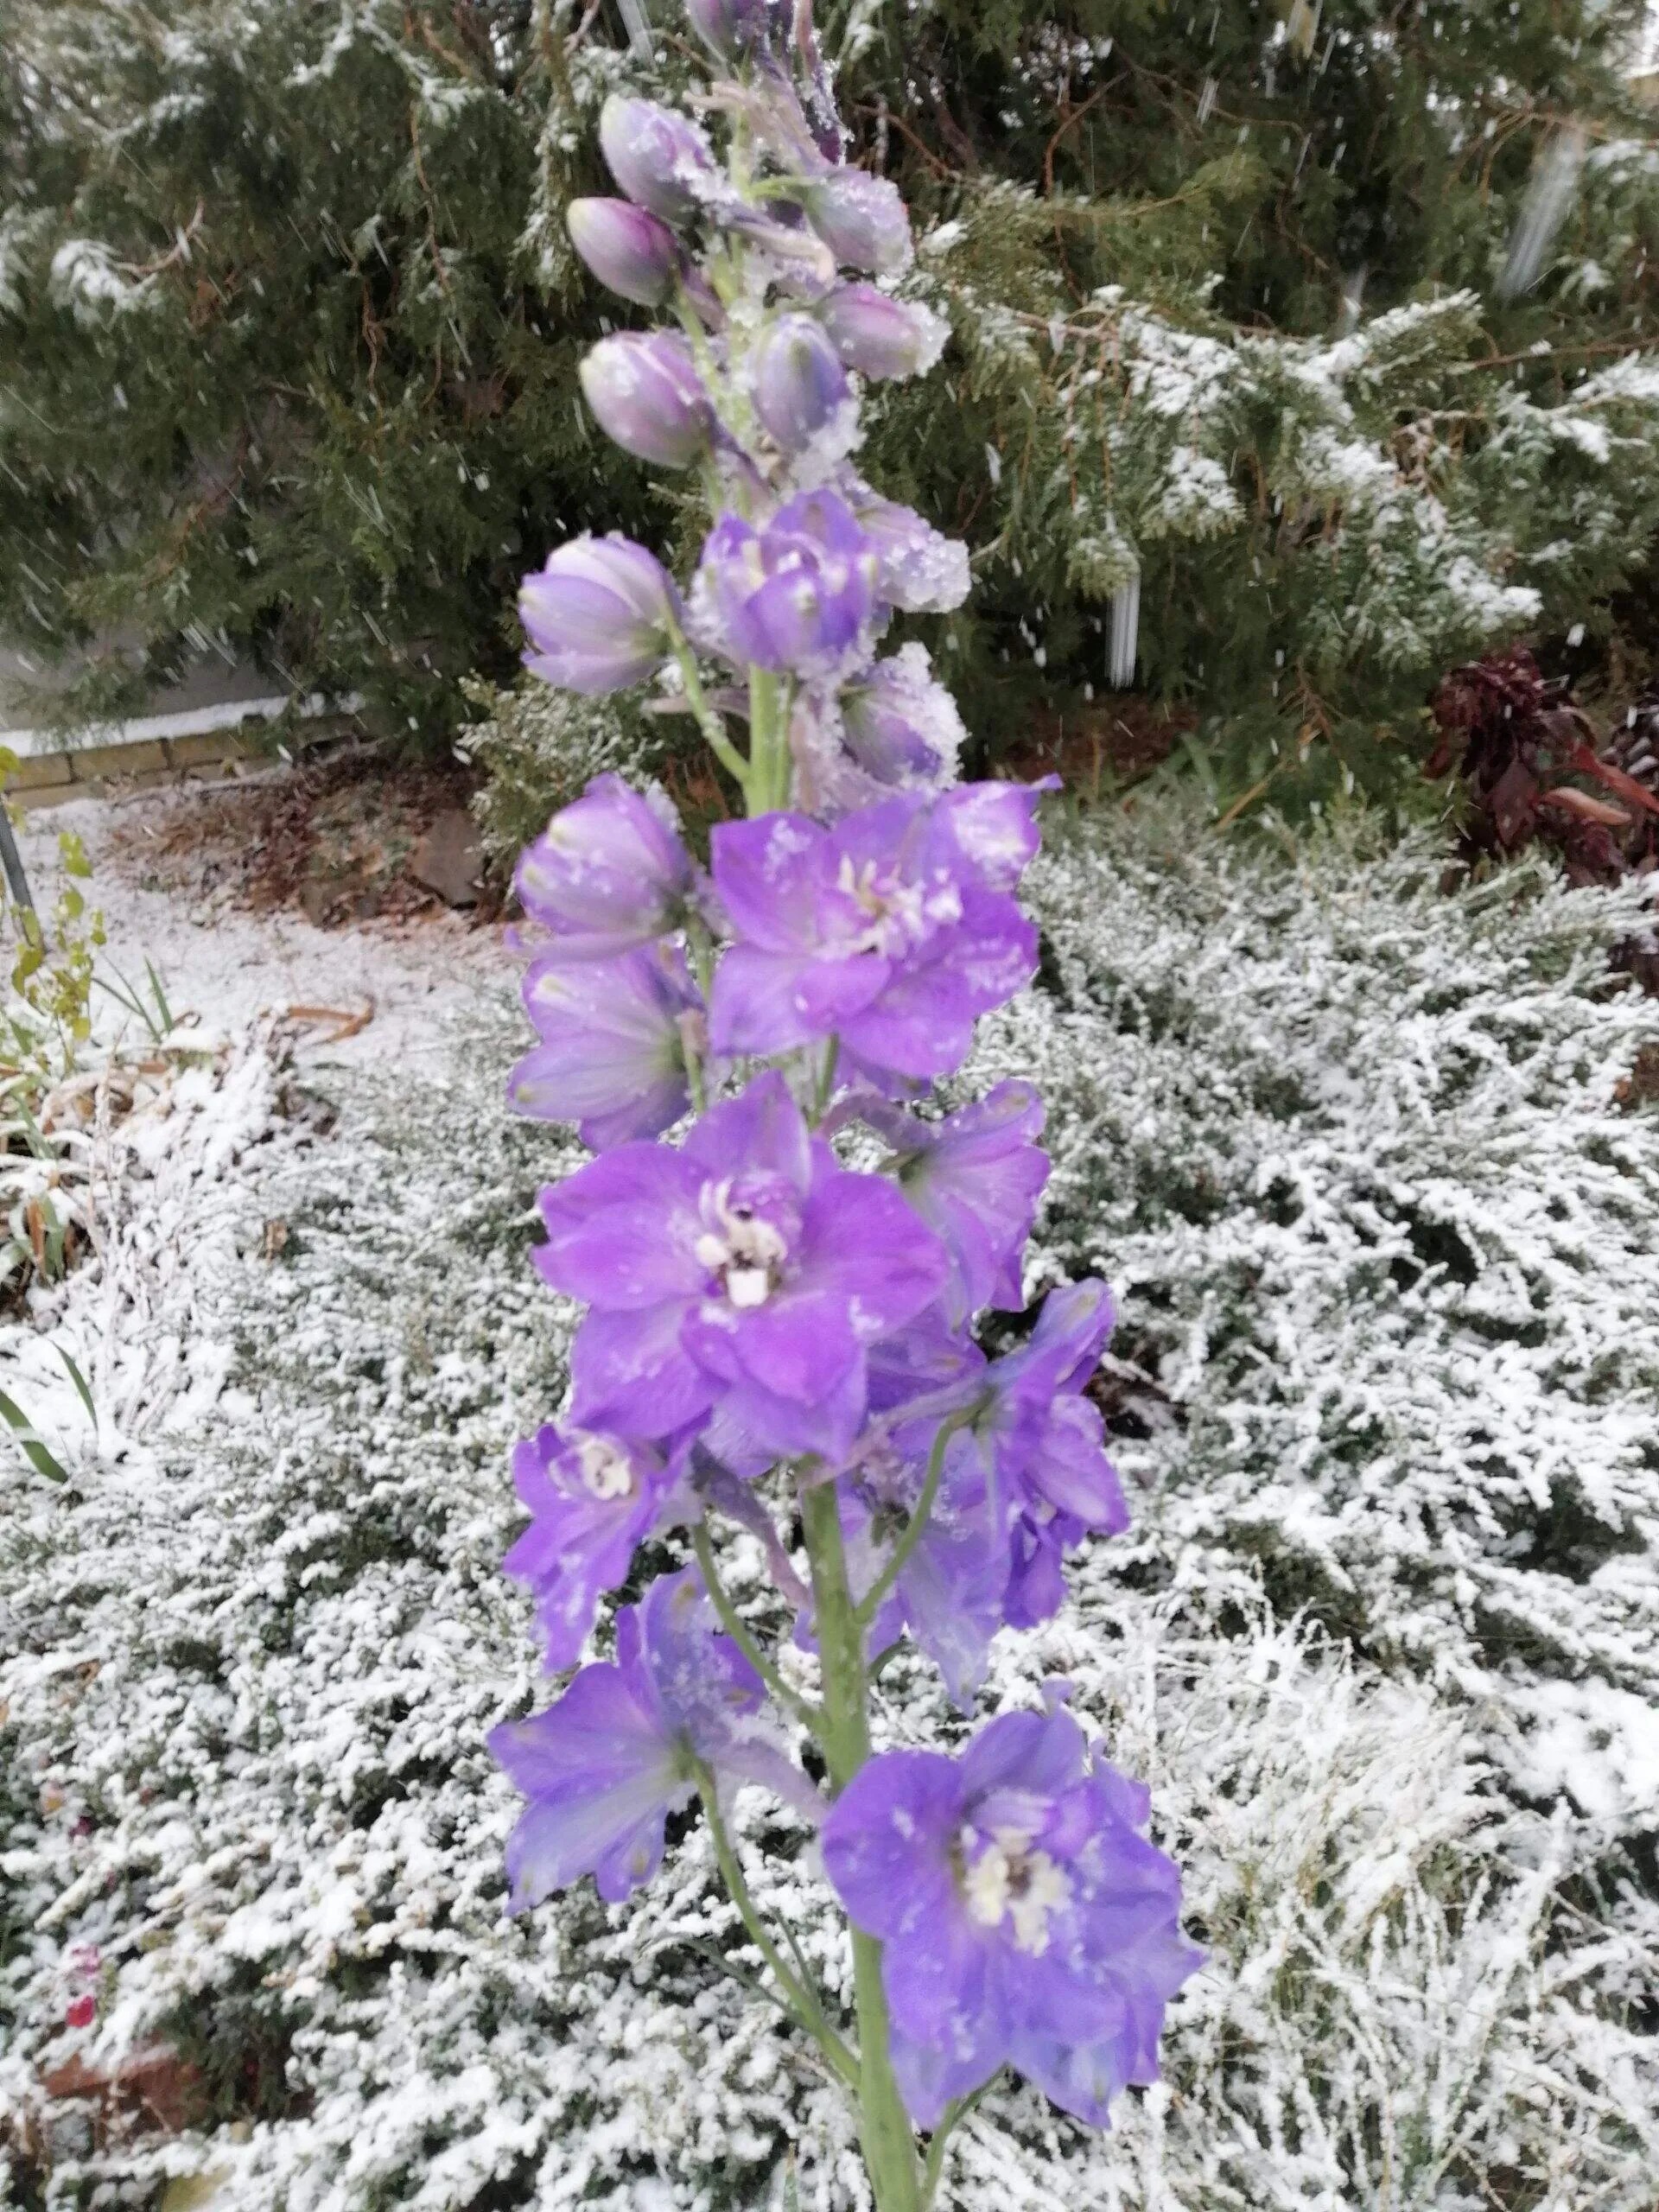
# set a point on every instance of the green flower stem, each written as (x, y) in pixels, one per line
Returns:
(769, 705)
(747, 1643)
(804, 2003)
(875, 1596)
(711, 725)
(954, 2113)
(884, 2125)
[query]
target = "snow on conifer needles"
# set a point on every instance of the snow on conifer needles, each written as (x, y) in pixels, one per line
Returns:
(1351, 1149)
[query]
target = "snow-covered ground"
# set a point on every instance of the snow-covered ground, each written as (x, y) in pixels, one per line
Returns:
(1367, 1165)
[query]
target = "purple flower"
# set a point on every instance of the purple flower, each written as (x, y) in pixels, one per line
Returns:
(798, 383)
(796, 593)
(1027, 1920)
(1042, 1444)
(900, 725)
(593, 1499)
(922, 571)
(661, 159)
(605, 1766)
(950, 1592)
(861, 219)
(645, 389)
(886, 930)
(881, 336)
(608, 874)
(627, 248)
(747, 1271)
(975, 1178)
(614, 1044)
(599, 616)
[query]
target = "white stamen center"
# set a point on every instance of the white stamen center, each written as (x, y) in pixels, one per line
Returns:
(1009, 1880)
(746, 1250)
(606, 1471)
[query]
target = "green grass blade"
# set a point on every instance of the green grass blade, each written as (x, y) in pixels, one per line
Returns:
(79, 1381)
(33, 1449)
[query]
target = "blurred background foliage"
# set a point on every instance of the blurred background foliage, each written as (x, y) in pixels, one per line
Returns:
(1305, 347)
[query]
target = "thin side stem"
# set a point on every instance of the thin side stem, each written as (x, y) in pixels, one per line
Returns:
(803, 2002)
(876, 1595)
(954, 2115)
(743, 1636)
(709, 722)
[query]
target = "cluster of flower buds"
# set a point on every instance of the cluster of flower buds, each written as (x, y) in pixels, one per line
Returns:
(781, 1300)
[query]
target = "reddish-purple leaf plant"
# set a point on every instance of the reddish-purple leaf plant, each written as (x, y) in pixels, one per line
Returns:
(776, 1336)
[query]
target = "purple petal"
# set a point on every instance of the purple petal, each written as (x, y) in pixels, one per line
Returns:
(631, 1375)
(600, 1776)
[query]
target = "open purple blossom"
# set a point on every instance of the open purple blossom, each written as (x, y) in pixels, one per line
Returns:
(592, 1500)
(613, 1035)
(796, 593)
(975, 1178)
(645, 393)
(600, 616)
(604, 1766)
(1027, 1922)
(1042, 1443)
(607, 875)
(950, 1592)
(661, 159)
(879, 930)
(748, 1271)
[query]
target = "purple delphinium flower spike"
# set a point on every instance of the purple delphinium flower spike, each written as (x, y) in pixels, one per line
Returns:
(799, 386)
(881, 336)
(975, 1178)
(612, 1054)
(643, 388)
(1027, 1922)
(883, 930)
(631, 250)
(608, 873)
(661, 159)
(599, 616)
(604, 1767)
(591, 1499)
(798, 594)
(900, 725)
(748, 1271)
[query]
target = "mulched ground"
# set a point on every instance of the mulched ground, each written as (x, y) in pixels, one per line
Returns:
(345, 836)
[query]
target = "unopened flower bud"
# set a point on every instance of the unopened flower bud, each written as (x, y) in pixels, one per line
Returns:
(646, 393)
(880, 336)
(661, 160)
(627, 248)
(861, 217)
(598, 616)
(798, 383)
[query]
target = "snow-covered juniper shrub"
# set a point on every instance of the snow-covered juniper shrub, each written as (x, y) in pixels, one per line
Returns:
(780, 1335)
(251, 1654)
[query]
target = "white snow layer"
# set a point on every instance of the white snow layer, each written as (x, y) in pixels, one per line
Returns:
(1383, 1640)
